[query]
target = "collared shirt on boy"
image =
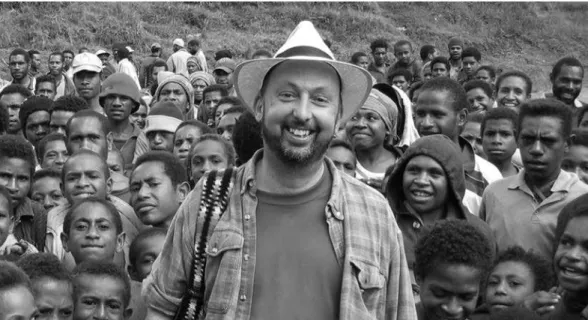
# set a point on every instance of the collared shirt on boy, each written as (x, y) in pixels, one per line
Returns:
(364, 235)
(516, 217)
(379, 75)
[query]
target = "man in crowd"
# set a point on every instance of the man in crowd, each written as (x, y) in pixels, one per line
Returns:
(107, 67)
(404, 60)
(45, 86)
(86, 77)
(12, 98)
(177, 62)
(34, 118)
(566, 82)
(379, 67)
(196, 50)
(35, 68)
(68, 56)
(124, 65)
(223, 74)
(455, 47)
(145, 75)
(19, 64)
(63, 84)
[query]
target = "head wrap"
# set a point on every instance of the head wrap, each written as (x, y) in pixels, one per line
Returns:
(385, 108)
(201, 75)
(193, 59)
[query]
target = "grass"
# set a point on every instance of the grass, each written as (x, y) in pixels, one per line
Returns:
(525, 36)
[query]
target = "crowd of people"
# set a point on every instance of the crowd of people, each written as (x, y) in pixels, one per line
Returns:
(291, 185)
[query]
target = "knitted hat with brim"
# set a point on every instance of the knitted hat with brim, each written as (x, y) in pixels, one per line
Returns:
(121, 84)
(184, 82)
(163, 116)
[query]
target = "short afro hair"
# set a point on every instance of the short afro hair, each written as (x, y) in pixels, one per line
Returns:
(216, 88)
(341, 143)
(566, 61)
(89, 114)
(101, 270)
(456, 93)
(414, 88)
(16, 88)
(6, 194)
(33, 52)
(516, 74)
(13, 146)
(172, 166)
(547, 108)
(20, 52)
(580, 138)
(11, 276)
(452, 241)
(41, 148)
(46, 173)
(379, 43)
(3, 118)
(116, 219)
(426, 50)
(574, 209)
(204, 129)
(540, 267)
(499, 114)
(69, 104)
(224, 53)
(442, 60)
(401, 43)
(400, 72)
(234, 101)
(143, 235)
(355, 57)
(45, 78)
(475, 84)
(490, 69)
(247, 137)
(68, 51)
(235, 109)
(44, 265)
(471, 52)
(32, 105)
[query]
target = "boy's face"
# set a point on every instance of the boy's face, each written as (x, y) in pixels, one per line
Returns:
(15, 175)
(86, 133)
(92, 235)
(363, 62)
(226, 125)
(207, 155)
(509, 283)
(484, 75)
(470, 65)
(139, 117)
(211, 99)
(576, 160)
(6, 220)
(379, 55)
(118, 107)
(153, 196)
(149, 249)
(37, 126)
(471, 132)
(183, 140)
(401, 83)
(424, 184)
(450, 291)
(115, 162)
(54, 299)
(100, 297)
(498, 140)
(343, 159)
(46, 89)
(512, 92)
(439, 69)
(571, 256)
(13, 102)
(17, 303)
(403, 54)
(434, 114)
(47, 192)
(584, 122)
(455, 52)
(59, 121)
(55, 156)
(479, 100)
(161, 140)
(85, 176)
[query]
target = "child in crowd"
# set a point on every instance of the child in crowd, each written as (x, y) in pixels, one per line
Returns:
(162, 122)
(472, 133)
(405, 60)
(226, 123)
(479, 94)
(428, 52)
(583, 119)
(101, 288)
(486, 74)
(144, 250)
(17, 165)
(576, 158)
(211, 96)
(92, 231)
(512, 89)
(209, 152)
(440, 67)
(470, 59)
(360, 59)
(46, 189)
(140, 115)
(158, 186)
(52, 152)
(342, 155)
(401, 79)
(224, 105)
(499, 131)
(51, 284)
(16, 295)
(185, 135)
(115, 161)
(452, 260)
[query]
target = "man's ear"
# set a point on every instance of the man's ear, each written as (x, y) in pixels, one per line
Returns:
(258, 109)
(182, 191)
(110, 141)
(462, 117)
(569, 141)
(64, 238)
(120, 242)
(109, 184)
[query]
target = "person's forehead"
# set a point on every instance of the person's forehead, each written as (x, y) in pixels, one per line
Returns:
(187, 131)
(513, 82)
(55, 57)
(213, 94)
(61, 115)
(571, 71)
(15, 164)
(228, 119)
(149, 170)
(469, 59)
(380, 49)
(41, 115)
(17, 58)
(12, 98)
(46, 184)
(545, 122)
(403, 47)
(96, 211)
(424, 161)
(399, 77)
(85, 125)
(313, 73)
(476, 92)
(84, 163)
(45, 85)
(55, 145)
(498, 123)
(172, 86)
(438, 65)
(209, 148)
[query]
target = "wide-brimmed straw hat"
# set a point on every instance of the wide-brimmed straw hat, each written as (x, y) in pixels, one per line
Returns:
(305, 43)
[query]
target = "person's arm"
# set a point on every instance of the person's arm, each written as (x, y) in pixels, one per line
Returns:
(170, 65)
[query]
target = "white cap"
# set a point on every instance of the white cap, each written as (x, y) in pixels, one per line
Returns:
(86, 61)
(130, 49)
(101, 51)
(179, 42)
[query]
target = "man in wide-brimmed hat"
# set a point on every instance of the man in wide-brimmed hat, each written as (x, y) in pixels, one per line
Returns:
(298, 240)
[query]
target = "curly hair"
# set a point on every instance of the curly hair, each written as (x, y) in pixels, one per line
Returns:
(16, 88)
(143, 235)
(547, 108)
(40, 265)
(456, 94)
(247, 137)
(45, 78)
(539, 266)
(172, 166)
(471, 52)
(379, 43)
(30, 106)
(453, 242)
(400, 72)
(12, 146)
(12, 276)
(475, 84)
(69, 104)
(103, 269)
(500, 114)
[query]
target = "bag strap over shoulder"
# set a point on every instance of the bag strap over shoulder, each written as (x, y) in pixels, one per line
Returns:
(214, 199)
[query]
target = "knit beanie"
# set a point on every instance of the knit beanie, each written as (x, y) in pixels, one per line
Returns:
(204, 76)
(121, 84)
(455, 41)
(183, 82)
(32, 105)
(163, 116)
(194, 60)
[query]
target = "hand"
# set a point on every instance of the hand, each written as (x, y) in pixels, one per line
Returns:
(18, 248)
(542, 302)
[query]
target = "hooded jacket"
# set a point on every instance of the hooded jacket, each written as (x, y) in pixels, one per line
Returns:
(448, 155)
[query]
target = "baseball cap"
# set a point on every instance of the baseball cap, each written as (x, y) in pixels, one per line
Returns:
(226, 64)
(101, 51)
(86, 61)
(155, 45)
(179, 42)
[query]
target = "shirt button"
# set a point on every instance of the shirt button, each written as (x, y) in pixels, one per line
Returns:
(246, 257)
(416, 225)
(247, 217)
(243, 297)
(214, 250)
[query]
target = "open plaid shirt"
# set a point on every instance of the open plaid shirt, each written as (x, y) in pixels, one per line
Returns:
(367, 242)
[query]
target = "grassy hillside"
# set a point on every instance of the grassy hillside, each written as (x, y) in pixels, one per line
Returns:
(525, 36)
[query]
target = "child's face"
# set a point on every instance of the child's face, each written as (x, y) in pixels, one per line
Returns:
(17, 303)
(401, 83)
(100, 297)
(15, 175)
(509, 283)
(403, 54)
(55, 155)
(208, 155)
(571, 256)
(511, 92)
(576, 160)
(363, 61)
(115, 162)
(498, 140)
(343, 159)
(54, 299)
(47, 192)
(450, 291)
(584, 122)
(424, 184)
(92, 235)
(434, 114)
(183, 140)
(153, 196)
(470, 65)
(6, 219)
(484, 75)
(85, 176)
(439, 69)
(479, 100)
(149, 249)
(471, 132)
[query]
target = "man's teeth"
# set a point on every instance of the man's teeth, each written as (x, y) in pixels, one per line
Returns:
(571, 271)
(299, 132)
(421, 194)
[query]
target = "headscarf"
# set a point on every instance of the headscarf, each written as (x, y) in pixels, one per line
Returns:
(182, 80)
(201, 75)
(386, 109)
(193, 59)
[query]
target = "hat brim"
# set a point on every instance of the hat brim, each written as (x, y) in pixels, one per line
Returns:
(356, 83)
(225, 69)
(87, 68)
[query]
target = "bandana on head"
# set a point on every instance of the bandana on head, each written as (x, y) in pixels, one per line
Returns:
(384, 107)
(201, 75)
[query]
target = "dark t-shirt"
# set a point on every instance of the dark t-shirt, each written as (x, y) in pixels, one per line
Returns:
(296, 271)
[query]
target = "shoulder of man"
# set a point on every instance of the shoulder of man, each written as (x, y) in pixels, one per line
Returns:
(487, 169)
